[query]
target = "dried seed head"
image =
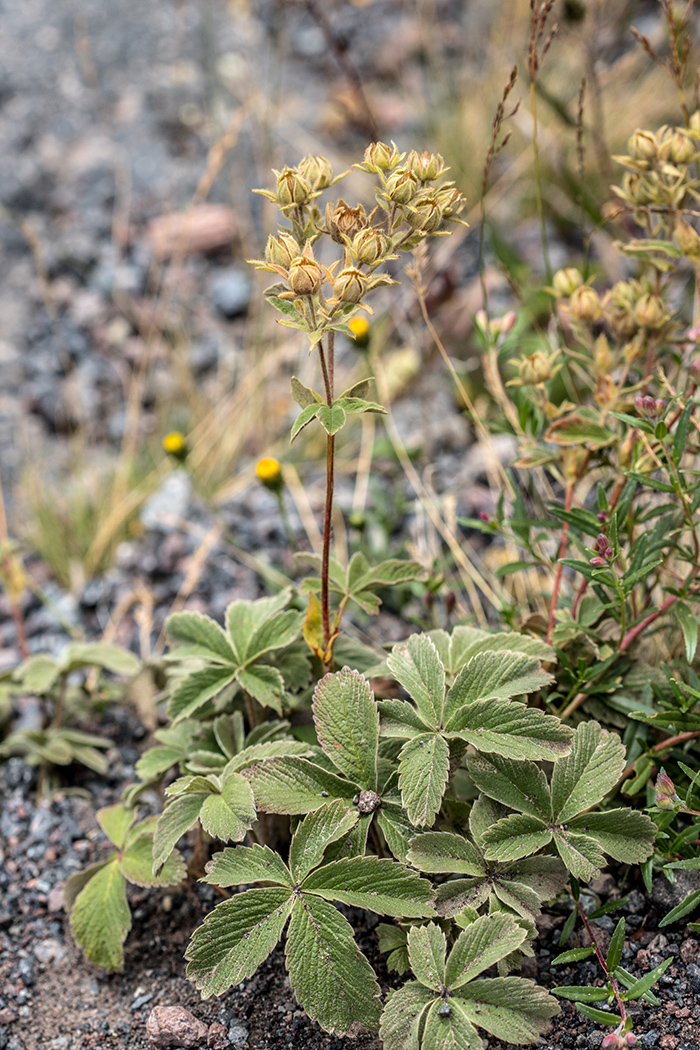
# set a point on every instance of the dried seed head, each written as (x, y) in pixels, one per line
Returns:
(401, 186)
(687, 240)
(567, 281)
(425, 165)
(681, 149)
(343, 222)
(370, 246)
(585, 303)
(350, 285)
(305, 274)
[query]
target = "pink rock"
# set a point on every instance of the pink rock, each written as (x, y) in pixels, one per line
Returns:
(175, 1026)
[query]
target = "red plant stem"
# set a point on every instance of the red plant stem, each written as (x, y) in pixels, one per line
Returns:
(658, 748)
(579, 595)
(560, 567)
(601, 960)
(634, 632)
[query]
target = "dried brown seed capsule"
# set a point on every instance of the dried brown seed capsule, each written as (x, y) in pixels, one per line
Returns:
(342, 221)
(350, 285)
(401, 186)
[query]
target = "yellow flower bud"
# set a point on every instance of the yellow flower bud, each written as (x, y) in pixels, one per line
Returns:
(643, 145)
(269, 473)
(585, 303)
(370, 246)
(688, 240)
(649, 311)
(380, 157)
(401, 186)
(175, 445)
(317, 171)
(305, 274)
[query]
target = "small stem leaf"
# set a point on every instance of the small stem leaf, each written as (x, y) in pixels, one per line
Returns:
(236, 937)
(274, 633)
(424, 768)
(443, 852)
(178, 817)
(397, 830)
(198, 629)
(383, 886)
(304, 418)
(316, 832)
(295, 785)
(581, 854)
(466, 642)
(518, 785)
(100, 919)
(400, 719)
(689, 627)
(625, 834)
(453, 1031)
(598, 1016)
(518, 835)
(331, 978)
(196, 689)
(689, 904)
(581, 993)
(241, 864)
(265, 684)
(347, 725)
(497, 676)
(418, 668)
(77, 882)
(229, 815)
(137, 865)
(510, 729)
(404, 1016)
(360, 389)
(304, 395)
(485, 942)
(427, 949)
(115, 821)
(617, 943)
(511, 1008)
(639, 988)
(357, 404)
(573, 955)
(586, 775)
(331, 417)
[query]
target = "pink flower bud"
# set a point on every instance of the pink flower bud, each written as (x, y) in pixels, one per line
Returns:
(608, 552)
(597, 563)
(664, 784)
(610, 1042)
(663, 802)
(484, 516)
(601, 541)
(646, 406)
(602, 517)
(630, 1039)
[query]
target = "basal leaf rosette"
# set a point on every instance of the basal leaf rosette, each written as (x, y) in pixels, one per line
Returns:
(446, 1004)
(476, 710)
(331, 978)
(559, 812)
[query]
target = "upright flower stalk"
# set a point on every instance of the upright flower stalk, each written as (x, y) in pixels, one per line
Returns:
(411, 204)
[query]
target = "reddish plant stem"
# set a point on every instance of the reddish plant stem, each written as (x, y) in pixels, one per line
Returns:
(560, 567)
(579, 595)
(601, 960)
(634, 632)
(658, 748)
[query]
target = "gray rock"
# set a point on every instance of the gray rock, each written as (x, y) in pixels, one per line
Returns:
(169, 503)
(230, 292)
(238, 1035)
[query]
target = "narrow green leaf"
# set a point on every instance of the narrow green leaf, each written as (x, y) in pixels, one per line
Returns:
(573, 955)
(237, 865)
(586, 775)
(100, 919)
(617, 943)
(581, 994)
(417, 666)
(646, 983)
(316, 832)
(510, 1008)
(689, 627)
(347, 724)
(198, 629)
(236, 937)
(383, 886)
(427, 949)
(485, 942)
(331, 978)
(423, 773)
(598, 1016)
(681, 435)
(686, 906)
(404, 1015)
(295, 785)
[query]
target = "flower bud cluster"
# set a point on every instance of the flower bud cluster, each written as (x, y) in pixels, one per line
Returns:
(666, 795)
(605, 551)
(615, 1041)
(536, 368)
(658, 172)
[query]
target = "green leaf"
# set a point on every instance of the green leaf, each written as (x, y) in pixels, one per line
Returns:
(198, 629)
(316, 832)
(417, 666)
(689, 627)
(77, 882)
(581, 993)
(400, 719)
(424, 768)
(304, 395)
(510, 1008)
(511, 729)
(686, 906)
(465, 642)
(237, 865)
(518, 785)
(137, 864)
(275, 632)
(331, 417)
(617, 943)
(396, 829)
(427, 949)
(403, 1016)
(249, 756)
(100, 919)
(347, 724)
(100, 654)
(38, 674)
(516, 836)
(115, 821)
(358, 404)
(197, 688)
(485, 942)
(452, 1031)
(576, 429)
(265, 684)
(625, 834)
(383, 886)
(581, 854)
(646, 983)
(573, 955)
(598, 1016)
(443, 852)
(304, 418)
(230, 814)
(178, 817)
(497, 676)
(236, 937)
(681, 436)
(295, 785)
(586, 775)
(332, 980)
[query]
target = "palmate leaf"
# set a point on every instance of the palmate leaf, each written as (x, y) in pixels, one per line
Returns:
(417, 666)
(591, 770)
(486, 941)
(498, 676)
(332, 980)
(198, 629)
(265, 684)
(241, 864)
(383, 886)
(423, 773)
(400, 719)
(457, 648)
(404, 1017)
(451, 1031)
(100, 918)
(228, 815)
(199, 687)
(236, 937)
(427, 950)
(115, 821)
(178, 817)
(316, 832)
(295, 785)
(347, 725)
(511, 1008)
